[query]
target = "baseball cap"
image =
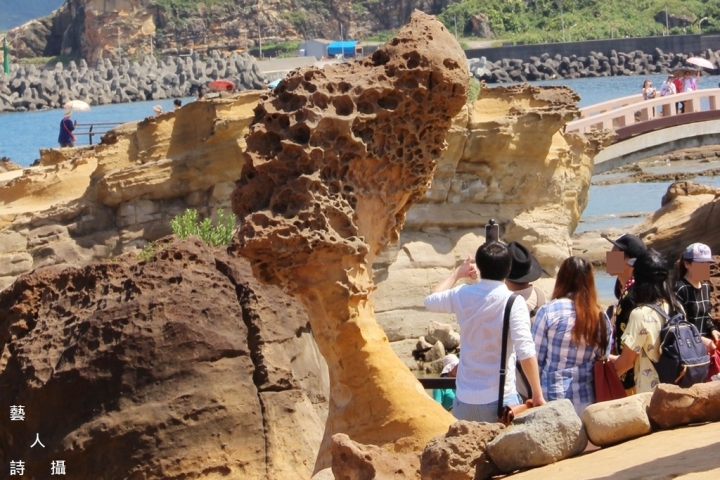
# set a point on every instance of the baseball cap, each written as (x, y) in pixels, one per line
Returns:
(449, 362)
(698, 252)
(629, 244)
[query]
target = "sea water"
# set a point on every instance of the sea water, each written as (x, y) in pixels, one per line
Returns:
(22, 134)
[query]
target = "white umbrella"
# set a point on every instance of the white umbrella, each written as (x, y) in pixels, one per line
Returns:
(77, 105)
(700, 62)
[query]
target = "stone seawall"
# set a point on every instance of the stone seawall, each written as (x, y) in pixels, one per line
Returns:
(30, 88)
(596, 64)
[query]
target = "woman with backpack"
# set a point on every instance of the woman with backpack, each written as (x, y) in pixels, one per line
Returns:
(642, 334)
(570, 333)
(692, 289)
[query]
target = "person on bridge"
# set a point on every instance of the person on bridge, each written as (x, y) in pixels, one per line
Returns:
(648, 91)
(679, 106)
(668, 87)
(66, 138)
(689, 84)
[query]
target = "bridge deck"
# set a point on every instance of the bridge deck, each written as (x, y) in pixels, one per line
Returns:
(623, 113)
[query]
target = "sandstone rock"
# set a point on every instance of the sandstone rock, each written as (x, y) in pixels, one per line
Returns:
(325, 474)
(7, 165)
(615, 421)
(13, 264)
(444, 333)
(437, 352)
(688, 214)
(495, 168)
(324, 188)
(672, 406)
(539, 436)
(354, 461)
(715, 290)
(88, 204)
(11, 242)
(326, 185)
(175, 384)
(460, 454)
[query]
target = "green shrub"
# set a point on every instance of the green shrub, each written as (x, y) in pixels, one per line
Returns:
(214, 234)
(147, 251)
(473, 89)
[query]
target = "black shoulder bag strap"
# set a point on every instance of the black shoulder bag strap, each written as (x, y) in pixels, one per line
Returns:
(503, 357)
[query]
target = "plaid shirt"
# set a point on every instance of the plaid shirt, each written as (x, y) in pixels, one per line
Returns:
(566, 369)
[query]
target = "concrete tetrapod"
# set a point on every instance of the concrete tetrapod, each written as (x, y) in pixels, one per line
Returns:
(334, 160)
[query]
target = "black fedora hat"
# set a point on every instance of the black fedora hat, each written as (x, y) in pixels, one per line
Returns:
(525, 267)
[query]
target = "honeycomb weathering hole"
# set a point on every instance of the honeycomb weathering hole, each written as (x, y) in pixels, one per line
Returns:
(344, 105)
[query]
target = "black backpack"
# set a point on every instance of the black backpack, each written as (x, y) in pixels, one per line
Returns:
(684, 360)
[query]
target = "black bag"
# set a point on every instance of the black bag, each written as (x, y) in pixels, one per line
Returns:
(684, 360)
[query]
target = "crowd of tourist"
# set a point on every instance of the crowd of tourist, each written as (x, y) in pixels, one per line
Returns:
(553, 344)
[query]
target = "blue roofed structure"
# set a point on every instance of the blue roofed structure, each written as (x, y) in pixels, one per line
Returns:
(348, 48)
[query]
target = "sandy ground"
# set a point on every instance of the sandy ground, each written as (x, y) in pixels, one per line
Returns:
(687, 453)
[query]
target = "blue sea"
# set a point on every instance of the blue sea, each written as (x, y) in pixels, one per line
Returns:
(24, 133)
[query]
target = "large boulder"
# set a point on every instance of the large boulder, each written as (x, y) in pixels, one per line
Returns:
(616, 421)
(460, 453)
(182, 366)
(672, 406)
(444, 333)
(354, 461)
(689, 213)
(539, 436)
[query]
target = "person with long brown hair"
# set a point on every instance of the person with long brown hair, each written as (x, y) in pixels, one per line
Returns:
(570, 333)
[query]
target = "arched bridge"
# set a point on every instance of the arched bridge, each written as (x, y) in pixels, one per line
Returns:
(646, 128)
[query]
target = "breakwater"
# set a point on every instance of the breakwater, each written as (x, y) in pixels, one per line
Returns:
(30, 88)
(595, 64)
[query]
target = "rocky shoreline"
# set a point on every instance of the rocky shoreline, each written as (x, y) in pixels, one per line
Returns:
(549, 67)
(30, 88)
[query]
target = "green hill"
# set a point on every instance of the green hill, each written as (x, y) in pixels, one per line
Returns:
(541, 21)
(17, 12)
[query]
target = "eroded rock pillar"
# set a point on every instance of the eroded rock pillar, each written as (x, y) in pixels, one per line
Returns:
(335, 159)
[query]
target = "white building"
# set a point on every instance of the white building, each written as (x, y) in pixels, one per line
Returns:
(314, 48)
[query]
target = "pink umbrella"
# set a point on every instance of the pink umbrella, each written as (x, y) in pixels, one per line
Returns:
(701, 62)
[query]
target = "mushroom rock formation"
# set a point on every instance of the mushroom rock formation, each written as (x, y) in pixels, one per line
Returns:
(334, 160)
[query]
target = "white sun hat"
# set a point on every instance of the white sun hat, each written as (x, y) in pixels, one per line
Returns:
(449, 362)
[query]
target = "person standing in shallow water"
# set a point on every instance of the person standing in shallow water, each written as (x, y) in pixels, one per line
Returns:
(66, 138)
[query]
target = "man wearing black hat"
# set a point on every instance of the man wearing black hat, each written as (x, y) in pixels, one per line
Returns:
(525, 269)
(619, 261)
